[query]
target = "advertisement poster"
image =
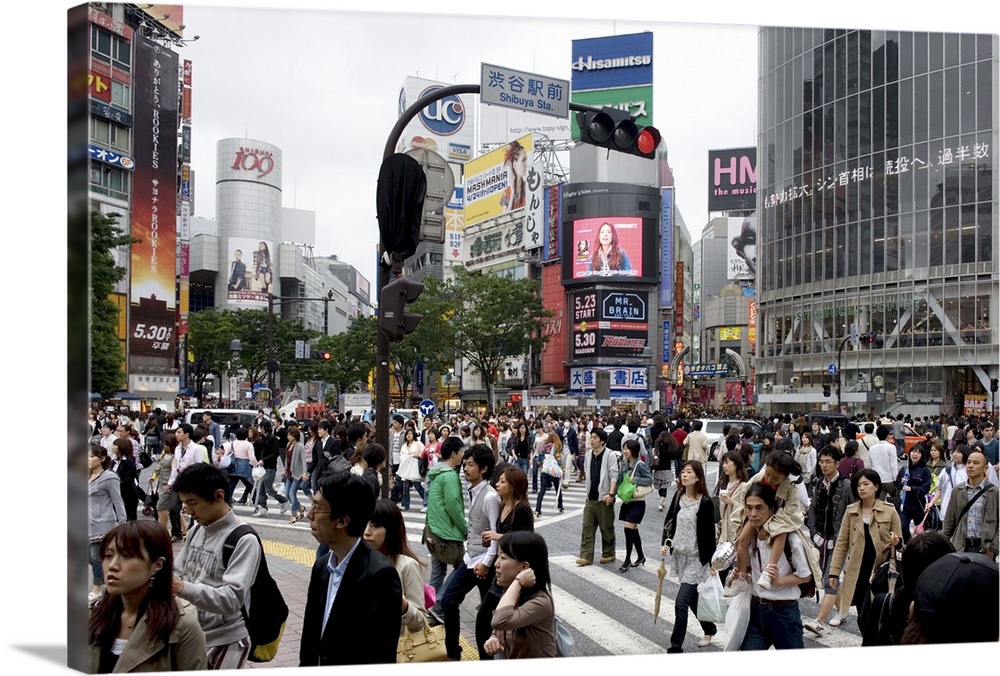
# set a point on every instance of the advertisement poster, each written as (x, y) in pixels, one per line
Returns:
(607, 247)
(154, 202)
(609, 324)
(251, 271)
(742, 250)
(497, 183)
(666, 246)
(445, 127)
(732, 179)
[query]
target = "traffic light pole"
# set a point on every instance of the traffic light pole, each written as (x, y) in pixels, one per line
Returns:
(382, 350)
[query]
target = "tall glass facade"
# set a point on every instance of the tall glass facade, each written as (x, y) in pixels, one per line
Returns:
(877, 201)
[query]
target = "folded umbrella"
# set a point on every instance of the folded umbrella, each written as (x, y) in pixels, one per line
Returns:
(661, 573)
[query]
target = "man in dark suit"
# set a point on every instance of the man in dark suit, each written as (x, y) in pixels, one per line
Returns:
(238, 273)
(354, 605)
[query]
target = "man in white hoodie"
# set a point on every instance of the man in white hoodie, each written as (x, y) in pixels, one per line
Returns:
(218, 591)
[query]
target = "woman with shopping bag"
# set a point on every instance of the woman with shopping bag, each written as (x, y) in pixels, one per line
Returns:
(631, 512)
(689, 533)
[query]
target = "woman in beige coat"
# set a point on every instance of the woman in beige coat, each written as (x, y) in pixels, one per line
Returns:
(868, 534)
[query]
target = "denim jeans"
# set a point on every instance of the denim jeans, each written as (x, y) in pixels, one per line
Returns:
(535, 466)
(95, 563)
(267, 488)
(459, 584)
(292, 488)
(687, 598)
(778, 626)
(439, 569)
(407, 485)
(521, 464)
(546, 482)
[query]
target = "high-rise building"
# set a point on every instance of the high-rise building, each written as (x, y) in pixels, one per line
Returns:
(877, 210)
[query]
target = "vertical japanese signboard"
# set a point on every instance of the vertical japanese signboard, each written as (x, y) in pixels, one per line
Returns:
(154, 201)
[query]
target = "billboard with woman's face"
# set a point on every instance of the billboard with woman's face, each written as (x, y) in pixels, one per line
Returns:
(610, 233)
(607, 247)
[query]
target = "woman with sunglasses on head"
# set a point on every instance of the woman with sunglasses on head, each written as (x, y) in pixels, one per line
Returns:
(138, 625)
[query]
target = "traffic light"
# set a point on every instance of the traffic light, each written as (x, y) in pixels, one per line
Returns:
(321, 354)
(615, 129)
(394, 320)
(867, 338)
(826, 389)
(994, 384)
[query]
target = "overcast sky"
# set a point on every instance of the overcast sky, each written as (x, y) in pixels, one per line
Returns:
(324, 86)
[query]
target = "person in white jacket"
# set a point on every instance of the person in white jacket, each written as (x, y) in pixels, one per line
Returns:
(409, 466)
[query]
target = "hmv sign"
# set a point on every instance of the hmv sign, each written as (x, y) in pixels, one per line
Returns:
(732, 179)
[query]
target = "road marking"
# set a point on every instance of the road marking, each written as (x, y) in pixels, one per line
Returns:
(611, 635)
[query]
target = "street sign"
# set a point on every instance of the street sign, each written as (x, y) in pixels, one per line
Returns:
(427, 408)
(832, 369)
(519, 90)
(300, 349)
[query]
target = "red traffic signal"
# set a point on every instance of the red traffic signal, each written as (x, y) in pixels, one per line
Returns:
(615, 129)
(322, 354)
(394, 321)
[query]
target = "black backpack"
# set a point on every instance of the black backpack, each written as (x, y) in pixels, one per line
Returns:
(266, 620)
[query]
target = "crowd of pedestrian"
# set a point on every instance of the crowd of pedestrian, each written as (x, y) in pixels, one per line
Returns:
(800, 508)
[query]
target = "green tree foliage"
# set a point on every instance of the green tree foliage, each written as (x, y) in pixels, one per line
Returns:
(212, 331)
(494, 318)
(352, 355)
(107, 358)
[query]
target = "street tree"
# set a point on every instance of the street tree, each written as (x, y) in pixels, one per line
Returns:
(494, 318)
(107, 357)
(352, 355)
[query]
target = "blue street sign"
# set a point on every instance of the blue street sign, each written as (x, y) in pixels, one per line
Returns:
(427, 407)
(832, 369)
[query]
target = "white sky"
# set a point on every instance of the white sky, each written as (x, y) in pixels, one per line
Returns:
(35, 346)
(323, 85)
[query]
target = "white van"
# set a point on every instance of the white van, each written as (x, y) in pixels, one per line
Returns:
(223, 416)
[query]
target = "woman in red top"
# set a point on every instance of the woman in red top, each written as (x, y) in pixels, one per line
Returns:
(850, 463)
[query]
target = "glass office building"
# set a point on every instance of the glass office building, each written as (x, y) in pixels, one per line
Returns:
(877, 201)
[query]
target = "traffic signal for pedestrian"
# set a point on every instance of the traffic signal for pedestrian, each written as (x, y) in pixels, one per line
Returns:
(394, 321)
(615, 129)
(826, 389)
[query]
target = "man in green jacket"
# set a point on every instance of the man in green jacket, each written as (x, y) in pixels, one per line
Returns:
(446, 527)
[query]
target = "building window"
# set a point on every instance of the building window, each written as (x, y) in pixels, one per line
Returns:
(110, 49)
(108, 180)
(111, 135)
(121, 95)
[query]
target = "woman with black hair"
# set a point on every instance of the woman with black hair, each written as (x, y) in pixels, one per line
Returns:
(124, 466)
(524, 621)
(868, 535)
(913, 482)
(138, 625)
(689, 534)
(665, 449)
(631, 512)
(386, 532)
(104, 500)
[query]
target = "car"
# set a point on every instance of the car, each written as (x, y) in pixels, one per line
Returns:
(223, 416)
(912, 438)
(712, 427)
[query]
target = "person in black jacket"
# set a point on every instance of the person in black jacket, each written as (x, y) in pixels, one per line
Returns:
(361, 625)
(127, 473)
(831, 495)
(913, 482)
(267, 452)
(689, 533)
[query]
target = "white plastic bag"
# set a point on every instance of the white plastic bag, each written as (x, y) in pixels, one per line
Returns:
(737, 620)
(711, 602)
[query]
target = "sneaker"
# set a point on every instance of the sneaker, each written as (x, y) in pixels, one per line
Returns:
(423, 510)
(764, 581)
(259, 512)
(815, 626)
(285, 506)
(736, 586)
(838, 619)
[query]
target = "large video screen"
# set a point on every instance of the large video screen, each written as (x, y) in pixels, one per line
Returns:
(607, 247)
(610, 234)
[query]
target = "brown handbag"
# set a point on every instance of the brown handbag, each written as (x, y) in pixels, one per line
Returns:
(421, 646)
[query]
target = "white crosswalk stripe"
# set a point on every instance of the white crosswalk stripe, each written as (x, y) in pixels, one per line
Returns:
(639, 590)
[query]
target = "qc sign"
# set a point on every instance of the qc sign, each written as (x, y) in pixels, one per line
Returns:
(519, 90)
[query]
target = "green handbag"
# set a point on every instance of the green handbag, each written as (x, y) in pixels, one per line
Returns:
(626, 489)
